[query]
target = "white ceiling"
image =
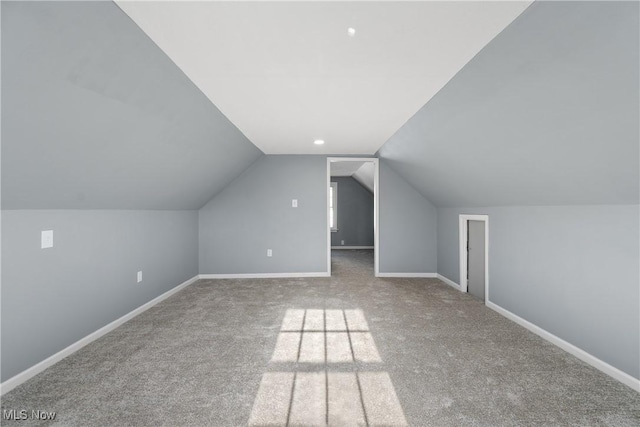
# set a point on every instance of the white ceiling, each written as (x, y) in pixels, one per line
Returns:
(287, 73)
(363, 172)
(365, 175)
(345, 168)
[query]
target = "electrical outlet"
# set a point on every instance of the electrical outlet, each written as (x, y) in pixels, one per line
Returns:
(294, 203)
(139, 276)
(269, 252)
(46, 239)
(342, 242)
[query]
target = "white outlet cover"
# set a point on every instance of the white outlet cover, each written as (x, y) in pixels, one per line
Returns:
(269, 252)
(294, 203)
(139, 276)
(46, 239)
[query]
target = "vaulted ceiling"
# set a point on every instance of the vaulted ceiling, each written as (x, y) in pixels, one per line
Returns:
(95, 116)
(363, 172)
(469, 105)
(547, 114)
(288, 73)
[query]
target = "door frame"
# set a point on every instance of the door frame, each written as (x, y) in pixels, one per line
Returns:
(463, 228)
(376, 207)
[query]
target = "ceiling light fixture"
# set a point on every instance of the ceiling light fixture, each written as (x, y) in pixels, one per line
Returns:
(319, 141)
(351, 31)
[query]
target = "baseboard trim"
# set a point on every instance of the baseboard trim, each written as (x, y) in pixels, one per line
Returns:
(425, 275)
(602, 366)
(449, 281)
(29, 373)
(352, 247)
(264, 275)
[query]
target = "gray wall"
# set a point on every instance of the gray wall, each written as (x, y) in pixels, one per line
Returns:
(355, 214)
(546, 114)
(408, 227)
(254, 214)
(571, 270)
(53, 297)
(96, 116)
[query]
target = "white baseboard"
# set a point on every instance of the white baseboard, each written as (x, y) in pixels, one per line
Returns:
(352, 247)
(264, 275)
(425, 275)
(29, 373)
(449, 282)
(613, 372)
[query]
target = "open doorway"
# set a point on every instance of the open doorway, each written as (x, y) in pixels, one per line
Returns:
(474, 255)
(352, 206)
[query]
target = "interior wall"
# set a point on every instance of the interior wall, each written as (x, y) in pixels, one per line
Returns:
(53, 297)
(571, 270)
(254, 213)
(355, 214)
(408, 227)
(545, 115)
(96, 116)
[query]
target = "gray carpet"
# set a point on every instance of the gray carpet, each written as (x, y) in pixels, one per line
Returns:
(203, 356)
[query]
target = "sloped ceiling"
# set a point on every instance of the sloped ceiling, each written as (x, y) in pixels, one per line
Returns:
(287, 73)
(345, 168)
(365, 175)
(94, 115)
(546, 114)
(363, 172)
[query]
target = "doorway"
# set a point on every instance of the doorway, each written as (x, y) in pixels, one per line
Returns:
(474, 255)
(364, 172)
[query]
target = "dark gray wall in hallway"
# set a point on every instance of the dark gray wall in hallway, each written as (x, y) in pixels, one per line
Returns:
(254, 213)
(96, 116)
(53, 297)
(571, 270)
(355, 214)
(408, 227)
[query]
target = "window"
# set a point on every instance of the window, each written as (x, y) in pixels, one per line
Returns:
(333, 206)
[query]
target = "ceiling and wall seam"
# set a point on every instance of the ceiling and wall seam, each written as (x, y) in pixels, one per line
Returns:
(96, 116)
(288, 73)
(520, 16)
(536, 118)
(185, 75)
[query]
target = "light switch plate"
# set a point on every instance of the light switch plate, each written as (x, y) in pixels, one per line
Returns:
(46, 239)
(139, 276)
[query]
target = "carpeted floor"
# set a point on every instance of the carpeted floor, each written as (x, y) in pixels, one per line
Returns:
(223, 353)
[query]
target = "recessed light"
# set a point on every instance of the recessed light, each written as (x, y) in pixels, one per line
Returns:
(351, 31)
(319, 141)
